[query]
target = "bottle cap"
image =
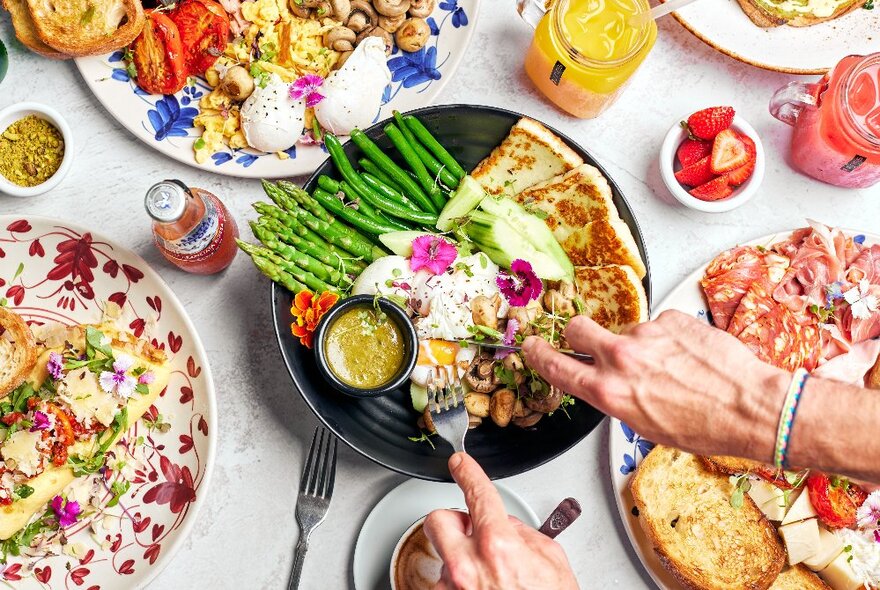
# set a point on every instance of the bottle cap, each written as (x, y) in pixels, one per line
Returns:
(166, 200)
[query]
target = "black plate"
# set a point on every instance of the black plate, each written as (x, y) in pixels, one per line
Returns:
(378, 428)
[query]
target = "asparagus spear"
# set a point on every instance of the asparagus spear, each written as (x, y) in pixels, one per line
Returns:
(300, 274)
(304, 261)
(278, 275)
(270, 228)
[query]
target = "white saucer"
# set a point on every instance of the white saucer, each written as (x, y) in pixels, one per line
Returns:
(394, 513)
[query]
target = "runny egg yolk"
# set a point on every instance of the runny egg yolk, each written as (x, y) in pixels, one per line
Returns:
(437, 353)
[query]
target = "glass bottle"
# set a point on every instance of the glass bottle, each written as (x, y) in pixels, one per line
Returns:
(191, 227)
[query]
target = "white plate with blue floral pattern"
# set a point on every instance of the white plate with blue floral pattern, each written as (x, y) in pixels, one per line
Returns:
(166, 122)
(627, 448)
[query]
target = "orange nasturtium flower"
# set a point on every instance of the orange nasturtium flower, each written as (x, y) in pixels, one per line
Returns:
(307, 310)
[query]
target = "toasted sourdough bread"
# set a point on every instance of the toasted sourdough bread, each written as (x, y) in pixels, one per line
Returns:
(613, 295)
(529, 154)
(799, 578)
(25, 30)
(765, 14)
(703, 541)
(583, 218)
(872, 379)
(18, 351)
(87, 27)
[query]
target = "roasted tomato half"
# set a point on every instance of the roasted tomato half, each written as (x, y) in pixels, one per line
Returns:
(158, 56)
(835, 500)
(203, 32)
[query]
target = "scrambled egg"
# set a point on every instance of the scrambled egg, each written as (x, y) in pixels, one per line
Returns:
(289, 46)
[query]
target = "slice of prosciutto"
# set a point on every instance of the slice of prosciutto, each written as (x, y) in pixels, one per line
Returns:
(853, 366)
(728, 278)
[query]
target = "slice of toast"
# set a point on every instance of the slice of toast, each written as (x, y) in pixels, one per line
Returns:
(767, 14)
(25, 30)
(583, 218)
(530, 154)
(703, 541)
(87, 27)
(613, 295)
(18, 351)
(872, 379)
(799, 578)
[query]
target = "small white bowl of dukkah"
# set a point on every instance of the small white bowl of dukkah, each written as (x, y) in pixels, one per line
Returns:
(35, 149)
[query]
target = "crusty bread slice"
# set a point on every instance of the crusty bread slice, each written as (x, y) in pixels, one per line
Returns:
(18, 351)
(703, 541)
(799, 578)
(25, 30)
(613, 295)
(766, 14)
(87, 27)
(738, 466)
(758, 15)
(530, 154)
(872, 379)
(581, 213)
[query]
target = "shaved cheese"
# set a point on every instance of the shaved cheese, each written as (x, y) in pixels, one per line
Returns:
(864, 558)
(82, 392)
(21, 449)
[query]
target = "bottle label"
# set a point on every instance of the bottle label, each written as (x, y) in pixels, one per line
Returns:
(556, 72)
(205, 238)
(854, 163)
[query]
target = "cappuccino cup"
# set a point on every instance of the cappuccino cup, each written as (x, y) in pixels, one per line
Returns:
(415, 563)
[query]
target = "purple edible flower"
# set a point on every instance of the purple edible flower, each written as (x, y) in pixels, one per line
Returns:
(118, 382)
(509, 339)
(520, 285)
(41, 421)
(146, 378)
(65, 511)
(55, 366)
(307, 87)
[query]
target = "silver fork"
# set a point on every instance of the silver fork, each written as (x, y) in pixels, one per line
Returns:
(313, 501)
(446, 402)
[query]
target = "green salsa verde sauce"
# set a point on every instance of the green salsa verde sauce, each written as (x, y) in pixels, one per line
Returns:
(364, 348)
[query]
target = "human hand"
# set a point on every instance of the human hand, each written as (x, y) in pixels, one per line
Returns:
(486, 548)
(675, 380)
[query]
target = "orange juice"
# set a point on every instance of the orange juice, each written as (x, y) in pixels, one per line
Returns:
(584, 52)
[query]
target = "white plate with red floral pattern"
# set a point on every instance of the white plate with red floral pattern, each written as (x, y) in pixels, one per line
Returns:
(627, 448)
(55, 272)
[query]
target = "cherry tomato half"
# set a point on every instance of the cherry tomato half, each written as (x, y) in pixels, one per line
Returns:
(835, 500)
(158, 56)
(203, 32)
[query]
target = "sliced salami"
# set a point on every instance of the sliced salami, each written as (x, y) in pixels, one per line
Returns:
(779, 339)
(727, 280)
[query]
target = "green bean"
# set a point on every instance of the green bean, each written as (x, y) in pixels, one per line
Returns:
(423, 135)
(358, 188)
(415, 163)
(433, 165)
(369, 166)
(372, 202)
(396, 209)
(410, 188)
(388, 192)
(351, 215)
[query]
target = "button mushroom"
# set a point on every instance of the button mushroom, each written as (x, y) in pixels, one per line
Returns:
(391, 7)
(421, 8)
(474, 421)
(299, 8)
(340, 39)
(362, 16)
(481, 374)
(413, 34)
(547, 403)
(343, 57)
(237, 84)
(391, 23)
(341, 9)
(525, 317)
(528, 420)
(560, 300)
(382, 34)
(477, 404)
(427, 421)
(513, 363)
(501, 407)
(484, 310)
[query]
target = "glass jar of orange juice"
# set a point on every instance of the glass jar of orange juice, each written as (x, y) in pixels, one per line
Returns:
(585, 51)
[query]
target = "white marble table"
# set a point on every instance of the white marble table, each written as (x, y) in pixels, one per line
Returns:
(246, 531)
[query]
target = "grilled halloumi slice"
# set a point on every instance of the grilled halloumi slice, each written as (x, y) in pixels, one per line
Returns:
(613, 295)
(530, 154)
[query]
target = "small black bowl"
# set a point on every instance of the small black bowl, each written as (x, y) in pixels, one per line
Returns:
(397, 315)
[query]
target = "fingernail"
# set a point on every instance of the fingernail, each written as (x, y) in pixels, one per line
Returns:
(454, 461)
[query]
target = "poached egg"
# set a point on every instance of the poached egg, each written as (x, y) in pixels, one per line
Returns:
(270, 119)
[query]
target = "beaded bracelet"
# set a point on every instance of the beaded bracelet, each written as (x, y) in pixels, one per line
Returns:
(786, 418)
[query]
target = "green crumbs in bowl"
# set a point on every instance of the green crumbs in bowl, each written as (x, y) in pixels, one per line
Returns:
(31, 150)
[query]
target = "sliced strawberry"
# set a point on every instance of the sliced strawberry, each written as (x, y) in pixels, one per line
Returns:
(738, 176)
(728, 152)
(708, 123)
(714, 190)
(750, 145)
(693, 150)
(696, 174)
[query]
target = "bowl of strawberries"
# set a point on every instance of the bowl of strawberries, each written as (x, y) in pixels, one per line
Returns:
(712, 160)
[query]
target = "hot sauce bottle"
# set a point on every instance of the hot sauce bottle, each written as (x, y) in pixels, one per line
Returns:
(191, 227)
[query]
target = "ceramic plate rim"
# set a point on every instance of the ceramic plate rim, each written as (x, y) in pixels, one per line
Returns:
(633, 533)
(149, 272)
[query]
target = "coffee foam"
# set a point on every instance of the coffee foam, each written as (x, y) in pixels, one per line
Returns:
(418, 565)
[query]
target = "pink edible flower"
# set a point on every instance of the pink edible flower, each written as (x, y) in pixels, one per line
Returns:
(146, 378)
(509, 338)
(65, 511)
(55, 365)
(307, 87)
(41, 421)
(520, 285)
(118, 382)
(433, 253)
(868, 513)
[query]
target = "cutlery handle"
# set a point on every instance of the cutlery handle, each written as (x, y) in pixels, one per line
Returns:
(299, 557)
(566, 513)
